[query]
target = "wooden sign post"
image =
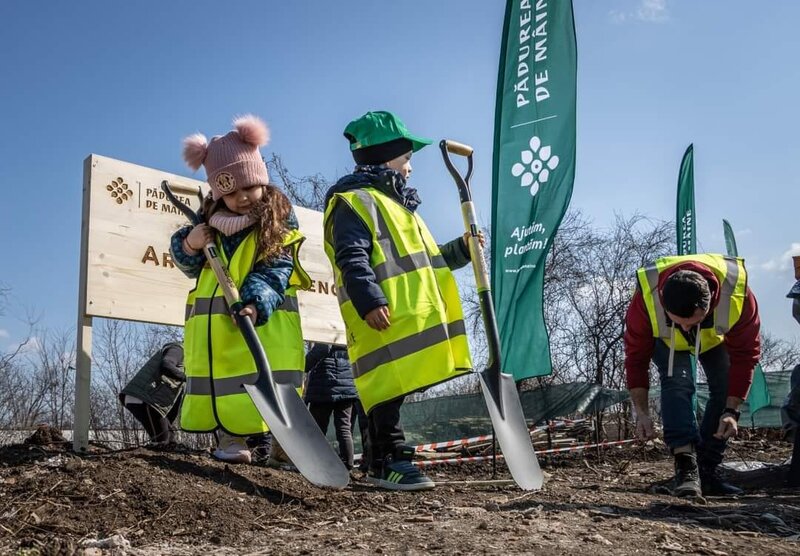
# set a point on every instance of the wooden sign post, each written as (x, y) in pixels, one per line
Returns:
(127, 272)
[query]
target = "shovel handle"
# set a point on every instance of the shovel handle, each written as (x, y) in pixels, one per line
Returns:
(455, 147)
(462, 182)
(479, 266)
(229, 289)
(193, 217)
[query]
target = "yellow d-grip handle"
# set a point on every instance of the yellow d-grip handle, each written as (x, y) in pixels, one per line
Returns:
(458, 148)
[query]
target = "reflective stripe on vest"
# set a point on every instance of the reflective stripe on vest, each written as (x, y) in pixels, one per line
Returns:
(407, 346)
(732, 277)
(218, 306)
(201, 386)
(426, 343)
(217, 360)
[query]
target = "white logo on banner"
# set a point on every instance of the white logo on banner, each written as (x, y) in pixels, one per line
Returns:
(535, 166)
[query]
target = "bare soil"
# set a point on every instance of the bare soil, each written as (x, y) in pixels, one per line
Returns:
(53, 502)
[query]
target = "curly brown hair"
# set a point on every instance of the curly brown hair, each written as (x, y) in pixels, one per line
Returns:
(271, 214)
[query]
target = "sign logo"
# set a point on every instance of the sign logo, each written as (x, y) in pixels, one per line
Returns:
(225, 182)
(535, 166)
(119, 190)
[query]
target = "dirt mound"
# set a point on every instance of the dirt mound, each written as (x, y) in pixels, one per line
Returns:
(45, 435)
(146, 502)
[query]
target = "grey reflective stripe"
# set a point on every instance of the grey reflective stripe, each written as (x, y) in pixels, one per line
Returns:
(671, 350)
(651, 273)
(208, 306)
(395, 264)
(406, 346)
(341, 295)
(218, 306)
(289, 304)
(722, 314)
(201, 386)
(401, 265)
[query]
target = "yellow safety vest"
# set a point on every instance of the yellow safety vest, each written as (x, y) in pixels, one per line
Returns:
(217, 359)
(732, 276)
(426, 343)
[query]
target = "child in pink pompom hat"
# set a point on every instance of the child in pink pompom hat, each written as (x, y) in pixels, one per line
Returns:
(255, 231)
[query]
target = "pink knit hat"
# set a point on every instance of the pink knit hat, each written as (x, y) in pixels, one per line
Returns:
(232, 161)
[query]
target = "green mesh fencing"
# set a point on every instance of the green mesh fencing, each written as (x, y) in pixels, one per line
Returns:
(766, 417)
(464, 416)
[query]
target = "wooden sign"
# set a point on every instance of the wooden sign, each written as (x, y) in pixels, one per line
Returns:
(126, 268)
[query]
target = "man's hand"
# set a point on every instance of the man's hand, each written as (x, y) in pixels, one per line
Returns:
(644, 427)
(728, 427)
(378, 319)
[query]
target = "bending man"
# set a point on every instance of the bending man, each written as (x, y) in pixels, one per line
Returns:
(689, 305)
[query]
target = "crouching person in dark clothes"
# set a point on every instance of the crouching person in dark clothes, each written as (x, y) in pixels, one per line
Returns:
(694, 304)
(154, 394)
(330, 390)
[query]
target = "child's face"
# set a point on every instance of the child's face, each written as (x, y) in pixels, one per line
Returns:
(401, 164)
(242, 200)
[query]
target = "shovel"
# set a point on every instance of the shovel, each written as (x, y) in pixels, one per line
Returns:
(279, 405)
(499, 389)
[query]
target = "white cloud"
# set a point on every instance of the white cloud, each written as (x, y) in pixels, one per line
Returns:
(3, 333)
(650, 11)
(784, 262)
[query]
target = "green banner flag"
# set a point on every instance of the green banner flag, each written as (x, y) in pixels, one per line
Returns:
(685, 223)
(730, 239)
(685, 218)
(533, 171)
(759, 392)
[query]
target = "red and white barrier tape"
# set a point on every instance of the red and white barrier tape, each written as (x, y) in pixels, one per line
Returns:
(468, 459)
(450, 443)
(476, 439)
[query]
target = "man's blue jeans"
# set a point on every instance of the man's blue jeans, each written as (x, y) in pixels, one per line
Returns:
(677, 391)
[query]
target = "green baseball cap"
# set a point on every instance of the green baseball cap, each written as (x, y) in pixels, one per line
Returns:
(376, 128)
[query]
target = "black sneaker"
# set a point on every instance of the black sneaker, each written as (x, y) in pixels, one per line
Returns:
(396, 472)
(687, 476)
(713, 485)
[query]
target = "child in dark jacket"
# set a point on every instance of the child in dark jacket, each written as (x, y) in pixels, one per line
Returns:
(396, 291)
(330, 391)
(155, 392)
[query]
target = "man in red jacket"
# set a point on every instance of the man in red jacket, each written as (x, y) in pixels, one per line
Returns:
(690, 304)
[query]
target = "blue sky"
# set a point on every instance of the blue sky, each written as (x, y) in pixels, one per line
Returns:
(130, 80)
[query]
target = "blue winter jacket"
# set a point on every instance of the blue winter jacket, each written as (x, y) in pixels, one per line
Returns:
(330, 377)
(352, 241)
(265, 285)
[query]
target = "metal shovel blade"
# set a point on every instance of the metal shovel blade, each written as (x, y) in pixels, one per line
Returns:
(298, 434)
(512, 432)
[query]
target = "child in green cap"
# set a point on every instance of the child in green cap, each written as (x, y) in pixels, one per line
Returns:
(397, 294)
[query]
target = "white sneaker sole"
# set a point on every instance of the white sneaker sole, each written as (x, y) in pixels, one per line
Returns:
(232, 458)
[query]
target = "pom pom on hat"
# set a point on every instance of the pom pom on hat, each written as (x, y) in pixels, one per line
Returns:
(195, 149)
(252, 130)
(232, 161)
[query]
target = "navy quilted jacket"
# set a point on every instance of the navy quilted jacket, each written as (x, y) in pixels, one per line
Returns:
(330, 377)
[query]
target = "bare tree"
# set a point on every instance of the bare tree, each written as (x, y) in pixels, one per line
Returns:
(52, 363)
(119, 352)
(596, 282)
(306, 191)
(778, 354)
